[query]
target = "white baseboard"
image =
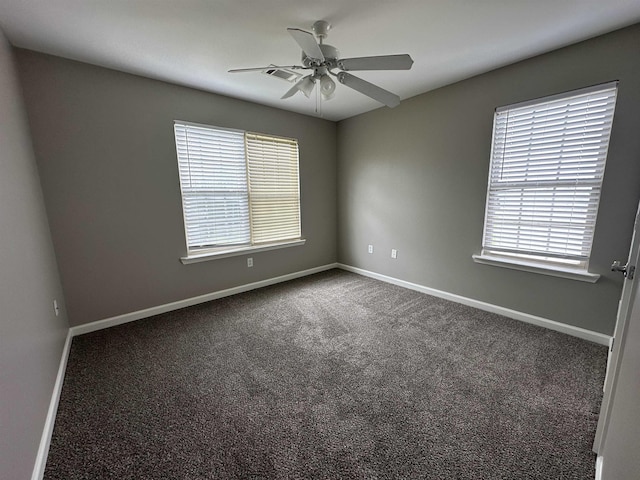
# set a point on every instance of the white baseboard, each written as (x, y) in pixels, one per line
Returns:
(595, 337)
(599, 461)
(168, 307)
(45, 440)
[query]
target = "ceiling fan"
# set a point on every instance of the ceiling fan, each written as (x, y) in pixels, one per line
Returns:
(322, 59)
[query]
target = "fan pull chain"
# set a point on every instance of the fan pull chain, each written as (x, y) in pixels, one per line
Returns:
(318, 102)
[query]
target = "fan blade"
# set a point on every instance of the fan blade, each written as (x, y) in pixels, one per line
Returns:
(382, 62)
(291, 92)
(307, 43)
(270, 67)
(369, 89)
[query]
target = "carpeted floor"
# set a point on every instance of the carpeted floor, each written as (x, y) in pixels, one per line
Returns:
(330, 376)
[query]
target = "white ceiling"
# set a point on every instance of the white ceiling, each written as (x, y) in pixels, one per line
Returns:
(195, 42)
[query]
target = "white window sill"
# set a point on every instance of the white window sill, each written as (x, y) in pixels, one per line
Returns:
(224, 252)
(532, 267)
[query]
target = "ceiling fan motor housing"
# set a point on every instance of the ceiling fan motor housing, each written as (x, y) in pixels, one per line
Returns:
(330, 53)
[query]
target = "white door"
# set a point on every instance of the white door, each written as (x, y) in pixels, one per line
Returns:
(619, 334)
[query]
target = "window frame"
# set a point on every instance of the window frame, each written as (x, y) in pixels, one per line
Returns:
(534, 260)
(215, 251)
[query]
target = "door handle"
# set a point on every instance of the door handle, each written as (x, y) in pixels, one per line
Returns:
(626, 269)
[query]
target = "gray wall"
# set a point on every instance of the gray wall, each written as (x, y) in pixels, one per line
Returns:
(415, 179)
(31, 336)
(106, 155)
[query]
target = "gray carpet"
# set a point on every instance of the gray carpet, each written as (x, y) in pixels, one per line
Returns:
(330, 376)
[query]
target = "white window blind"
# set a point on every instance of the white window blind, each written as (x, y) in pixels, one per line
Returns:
(215, 198)
(274, 188)
(547, 165)
(238, 188)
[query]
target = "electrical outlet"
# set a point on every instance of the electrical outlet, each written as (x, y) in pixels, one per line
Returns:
(394, 253)
(56, 308)
(370, 249)
(250, 262)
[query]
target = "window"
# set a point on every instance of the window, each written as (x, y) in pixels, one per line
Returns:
(547, 164)
(239, 189)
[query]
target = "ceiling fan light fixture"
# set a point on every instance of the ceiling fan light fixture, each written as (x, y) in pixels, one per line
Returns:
(306, 85)
(327, 87)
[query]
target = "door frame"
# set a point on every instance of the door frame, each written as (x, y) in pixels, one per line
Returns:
(616, 347)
